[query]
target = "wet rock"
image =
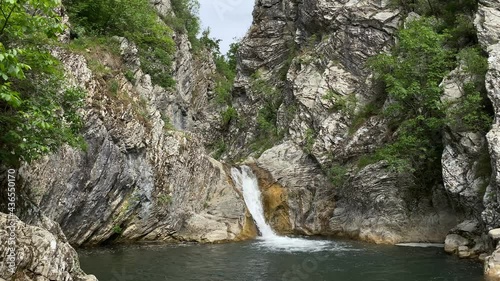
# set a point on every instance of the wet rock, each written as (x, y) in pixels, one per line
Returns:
(463, 252)
(308, 194)
(492, 266)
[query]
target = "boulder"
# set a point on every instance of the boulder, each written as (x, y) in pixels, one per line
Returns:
(40, 254)
(494, 234)
(453, 242)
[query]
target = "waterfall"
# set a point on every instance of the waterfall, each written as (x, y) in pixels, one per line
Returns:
(247, 181)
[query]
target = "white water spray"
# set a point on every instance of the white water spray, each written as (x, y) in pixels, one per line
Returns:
(247, 181)
(251, 193)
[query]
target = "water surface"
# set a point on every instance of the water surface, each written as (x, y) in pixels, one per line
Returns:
(262, 260)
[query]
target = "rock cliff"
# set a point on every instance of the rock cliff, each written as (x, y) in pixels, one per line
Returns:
(146, 174)
(487, 23)
(317, 63)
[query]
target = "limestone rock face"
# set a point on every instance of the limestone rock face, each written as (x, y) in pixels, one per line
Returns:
(381, 206)
(467, 240)
(317, 58)
(487, 23)
(309, 196)
(466, 174)
(40, 254)
(162, 6)
(139, 178)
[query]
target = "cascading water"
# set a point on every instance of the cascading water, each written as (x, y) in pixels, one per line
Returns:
(251, 193)
(247, 182)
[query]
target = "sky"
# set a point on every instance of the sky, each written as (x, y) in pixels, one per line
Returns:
(227, 19)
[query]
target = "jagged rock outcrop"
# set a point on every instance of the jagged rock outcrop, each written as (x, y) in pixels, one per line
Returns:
(383, 206)
(39, 254)
(144, 174)
(335, 39)
(309, 196)
(370, 206)
(466, 171)
(487, 23)
(317, 57)
(317, 60)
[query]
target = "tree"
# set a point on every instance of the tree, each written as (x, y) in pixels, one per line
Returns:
(136, 20)
(36, 114)
(22, 19)
(412, 73)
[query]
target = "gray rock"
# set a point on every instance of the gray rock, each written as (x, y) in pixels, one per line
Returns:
(492, 265)
(309, 194)
(375, 204)
(40, 255)
(494, 234)
(453, 243)
(138, 179)
(463, 252)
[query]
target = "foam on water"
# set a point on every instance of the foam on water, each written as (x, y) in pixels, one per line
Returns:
(421, 245)
(287, 244)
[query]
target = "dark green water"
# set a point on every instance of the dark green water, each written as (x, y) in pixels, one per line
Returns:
(256, 261)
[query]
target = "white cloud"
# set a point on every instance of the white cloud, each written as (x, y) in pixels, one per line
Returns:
(227, 19)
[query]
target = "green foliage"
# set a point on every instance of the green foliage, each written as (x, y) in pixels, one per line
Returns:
(186, 20)
(371, 109)
(444, 9)
(18, 27)
(272, 100)
(117, 229)
(267, 129)
(164, 200)
(113, 87)
(130, 76)
(220, 149)
(232, 55)
(137, 21)
(29, 20)
(345, 104)
(309, 140)
(471, 112)
(37, 115)
(292, 53)
(229, 114)
(167, 123)
(412, 74)
(226, 73)
(337, 174)
(474, 62)
(263, 143)
(455, 17)
(414, 70)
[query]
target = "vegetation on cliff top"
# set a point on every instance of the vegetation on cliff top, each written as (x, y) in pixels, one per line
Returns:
(428, 49)
(37, 114)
